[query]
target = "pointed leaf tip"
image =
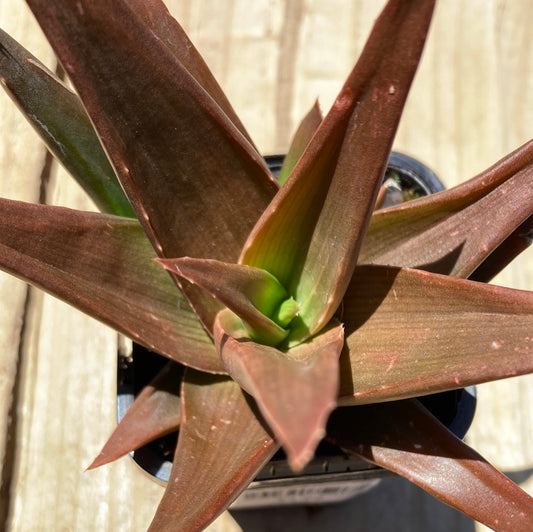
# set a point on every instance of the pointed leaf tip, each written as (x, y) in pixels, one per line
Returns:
(320, 215)
(303, 135)
(222, 426)
(155, 412)
(295, 390)
(251, 293)
(406, 438)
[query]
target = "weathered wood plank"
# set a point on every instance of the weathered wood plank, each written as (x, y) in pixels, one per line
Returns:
(21, 160)
(469, 106)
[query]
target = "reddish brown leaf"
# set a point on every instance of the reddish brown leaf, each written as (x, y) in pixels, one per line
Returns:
(155, 15)
(410, 333)
(103, 265)
(155, 412)
(454, 231)
(220, 425)
(295, 389)
(405, 438)
(327, 202)
(196, 174)
(519, 240)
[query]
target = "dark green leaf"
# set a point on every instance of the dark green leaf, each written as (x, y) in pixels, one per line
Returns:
(58, 116)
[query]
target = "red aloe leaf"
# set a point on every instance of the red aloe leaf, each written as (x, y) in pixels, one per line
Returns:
(519, 240)
(327, 202)
(303, 135)
(452, 232)
(220, 425)
(404, 437)
(251, 293)
(196, 174)
(155, 412)
(155, 15)
(102, 265)
(410, 332)
(295, 389)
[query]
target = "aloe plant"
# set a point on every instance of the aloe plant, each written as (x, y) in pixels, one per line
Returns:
(284, 301)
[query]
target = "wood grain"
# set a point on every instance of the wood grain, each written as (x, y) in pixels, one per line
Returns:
(21, 162)
(472, 102)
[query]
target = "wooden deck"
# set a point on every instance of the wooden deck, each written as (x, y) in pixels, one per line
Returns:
(471, 103)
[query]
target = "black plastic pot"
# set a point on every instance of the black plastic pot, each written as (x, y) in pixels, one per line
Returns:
(406, 178)
(332, 475)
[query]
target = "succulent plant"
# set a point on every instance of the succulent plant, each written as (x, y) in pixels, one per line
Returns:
(286, 302)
